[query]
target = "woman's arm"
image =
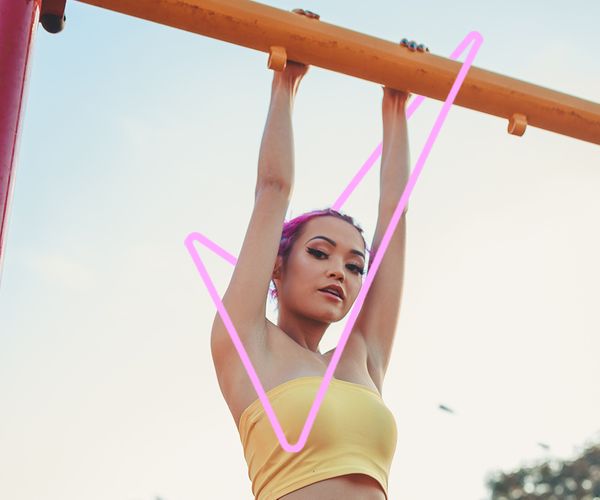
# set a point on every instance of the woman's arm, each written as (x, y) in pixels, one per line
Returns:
(245, 298)
(276, 157)
(378, 318)
(395, 158)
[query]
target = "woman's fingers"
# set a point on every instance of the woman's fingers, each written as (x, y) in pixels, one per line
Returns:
(392, 94)
(294, 71)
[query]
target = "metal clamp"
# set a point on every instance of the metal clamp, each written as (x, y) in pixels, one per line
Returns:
(517, 124)
(52, 15)
(277, 58)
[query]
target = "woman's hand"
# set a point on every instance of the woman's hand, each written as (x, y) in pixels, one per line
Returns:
(289, 79)
(394, 99)
(294, 71)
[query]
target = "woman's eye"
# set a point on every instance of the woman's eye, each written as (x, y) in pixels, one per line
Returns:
(316, 253)
(356, 269)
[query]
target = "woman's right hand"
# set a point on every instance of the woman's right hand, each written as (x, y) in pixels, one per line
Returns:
(295, 71)
(290, 77)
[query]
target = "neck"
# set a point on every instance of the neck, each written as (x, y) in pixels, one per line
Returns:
(306, 332)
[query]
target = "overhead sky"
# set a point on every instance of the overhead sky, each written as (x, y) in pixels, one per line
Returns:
(135, 135)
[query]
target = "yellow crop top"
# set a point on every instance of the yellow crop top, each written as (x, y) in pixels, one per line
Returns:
(354, 433)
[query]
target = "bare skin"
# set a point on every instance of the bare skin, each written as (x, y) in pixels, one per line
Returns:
(305, 313)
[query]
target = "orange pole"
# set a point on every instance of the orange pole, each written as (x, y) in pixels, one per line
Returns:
(285, 35)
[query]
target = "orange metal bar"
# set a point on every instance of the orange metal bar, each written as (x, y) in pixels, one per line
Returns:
(284, 34)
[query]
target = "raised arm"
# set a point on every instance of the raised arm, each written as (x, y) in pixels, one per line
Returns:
(276, 157)
(379, 315)
(395, 157)
(245, 298)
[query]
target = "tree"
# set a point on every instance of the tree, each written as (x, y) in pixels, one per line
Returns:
(578, 479)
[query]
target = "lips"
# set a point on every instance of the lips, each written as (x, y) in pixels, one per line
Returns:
(331, 294)
(334, 287)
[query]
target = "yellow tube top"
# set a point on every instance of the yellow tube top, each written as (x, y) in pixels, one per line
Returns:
(354, 433)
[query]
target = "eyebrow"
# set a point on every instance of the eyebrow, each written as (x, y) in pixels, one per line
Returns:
(335, 245)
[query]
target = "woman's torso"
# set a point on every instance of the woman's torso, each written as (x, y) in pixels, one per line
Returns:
(271, 356)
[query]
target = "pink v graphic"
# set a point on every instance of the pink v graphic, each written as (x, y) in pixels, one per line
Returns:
(189, 242)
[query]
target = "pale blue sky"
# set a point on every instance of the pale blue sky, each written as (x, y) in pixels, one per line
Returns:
(136, 135)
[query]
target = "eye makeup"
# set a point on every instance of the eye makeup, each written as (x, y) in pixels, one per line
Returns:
(353, 267)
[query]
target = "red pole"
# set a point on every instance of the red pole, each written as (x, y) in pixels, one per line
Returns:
(18, 24)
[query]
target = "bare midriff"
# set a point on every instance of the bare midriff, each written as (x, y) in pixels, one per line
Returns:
(347, 487)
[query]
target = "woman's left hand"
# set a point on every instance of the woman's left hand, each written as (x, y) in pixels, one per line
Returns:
(393, 96)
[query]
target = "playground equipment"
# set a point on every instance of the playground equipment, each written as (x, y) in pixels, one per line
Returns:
(288, 36)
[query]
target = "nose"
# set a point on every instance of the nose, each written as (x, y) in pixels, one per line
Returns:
(336, 272)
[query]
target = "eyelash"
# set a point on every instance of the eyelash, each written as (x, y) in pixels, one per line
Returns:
(358, 270)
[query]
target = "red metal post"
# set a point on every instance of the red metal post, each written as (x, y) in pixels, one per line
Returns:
(18, 24)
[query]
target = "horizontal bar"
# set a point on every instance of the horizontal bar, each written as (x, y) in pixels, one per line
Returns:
(312, 41)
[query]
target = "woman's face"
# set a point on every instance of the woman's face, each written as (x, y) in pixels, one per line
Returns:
(330, 251)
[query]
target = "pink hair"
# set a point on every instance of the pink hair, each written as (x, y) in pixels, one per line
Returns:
(293, 228)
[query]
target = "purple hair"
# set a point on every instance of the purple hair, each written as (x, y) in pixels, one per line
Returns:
(293, 228)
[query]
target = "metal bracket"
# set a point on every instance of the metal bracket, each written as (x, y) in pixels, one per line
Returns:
(277, 58)
(52, 15)
(517, 124)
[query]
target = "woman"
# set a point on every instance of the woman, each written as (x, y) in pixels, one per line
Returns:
(351, 445)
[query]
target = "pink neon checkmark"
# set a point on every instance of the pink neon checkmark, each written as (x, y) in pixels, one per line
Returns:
(477, 40)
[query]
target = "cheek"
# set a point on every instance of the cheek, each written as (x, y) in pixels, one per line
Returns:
(301, 277)
(355, 292)
(306, 269)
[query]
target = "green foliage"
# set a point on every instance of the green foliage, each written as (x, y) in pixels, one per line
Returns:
(578, 479)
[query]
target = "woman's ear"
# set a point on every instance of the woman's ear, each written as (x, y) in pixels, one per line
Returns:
(276, 275)
(277, 268)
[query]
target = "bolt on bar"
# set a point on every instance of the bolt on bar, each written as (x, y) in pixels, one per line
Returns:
(311, 41)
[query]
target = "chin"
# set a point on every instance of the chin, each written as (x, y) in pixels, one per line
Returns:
(336, 316)
(325, 313)
(322, 315)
